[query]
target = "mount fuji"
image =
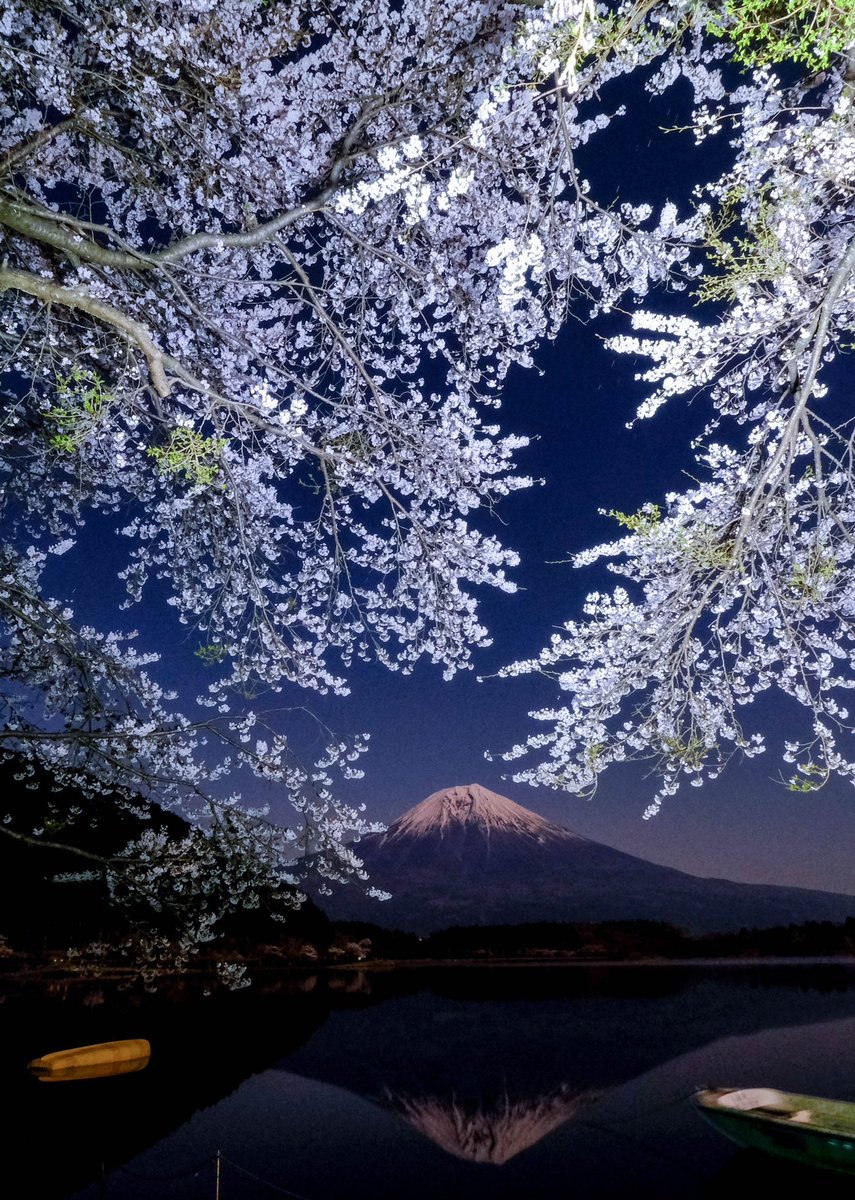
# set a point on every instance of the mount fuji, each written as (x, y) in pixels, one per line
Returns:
(468, 856)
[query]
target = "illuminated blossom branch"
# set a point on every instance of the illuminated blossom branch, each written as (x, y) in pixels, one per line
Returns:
(742, 584)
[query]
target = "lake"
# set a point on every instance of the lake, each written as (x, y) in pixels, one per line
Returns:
(509, 1082)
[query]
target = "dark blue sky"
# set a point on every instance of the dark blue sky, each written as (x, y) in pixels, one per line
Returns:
(427, 734)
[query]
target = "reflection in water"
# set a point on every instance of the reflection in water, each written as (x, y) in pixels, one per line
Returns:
(104, 1070)
(488, 1084)
(95, 1122)
(354, 982)
(495, 1133)
(486, 1064)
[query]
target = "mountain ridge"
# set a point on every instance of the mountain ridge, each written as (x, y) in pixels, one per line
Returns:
(468, 856)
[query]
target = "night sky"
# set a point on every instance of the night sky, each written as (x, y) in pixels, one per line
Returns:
(427, 734)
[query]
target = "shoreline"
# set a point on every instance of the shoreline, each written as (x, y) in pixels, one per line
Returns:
(50, 975)
(480, 963)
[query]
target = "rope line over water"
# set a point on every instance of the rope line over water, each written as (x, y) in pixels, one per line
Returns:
(176, 1175)
(210, 1160)
(259, 1179)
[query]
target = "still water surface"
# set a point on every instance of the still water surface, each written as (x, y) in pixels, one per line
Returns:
(503, 1083)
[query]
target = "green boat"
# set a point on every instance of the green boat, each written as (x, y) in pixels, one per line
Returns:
(809, 1129)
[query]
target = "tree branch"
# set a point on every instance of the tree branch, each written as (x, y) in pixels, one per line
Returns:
(42, 844)
(27, 221)
(800, 388)
(13, 156)
(52, 293)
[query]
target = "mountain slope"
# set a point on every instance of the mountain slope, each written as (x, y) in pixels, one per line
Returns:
(467, 856)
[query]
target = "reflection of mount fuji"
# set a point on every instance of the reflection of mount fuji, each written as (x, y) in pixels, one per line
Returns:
(467, 856)
(505, 1058)
(490, 1135)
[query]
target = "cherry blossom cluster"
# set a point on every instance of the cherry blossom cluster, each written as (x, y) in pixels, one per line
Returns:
(743, 584)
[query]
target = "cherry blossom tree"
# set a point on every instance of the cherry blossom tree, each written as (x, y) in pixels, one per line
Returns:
(264, 267)
(743, 584)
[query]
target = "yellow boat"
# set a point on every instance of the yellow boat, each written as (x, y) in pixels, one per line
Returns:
(93, 1062)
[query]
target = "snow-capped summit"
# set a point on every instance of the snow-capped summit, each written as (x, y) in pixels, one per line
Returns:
(444, 812)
